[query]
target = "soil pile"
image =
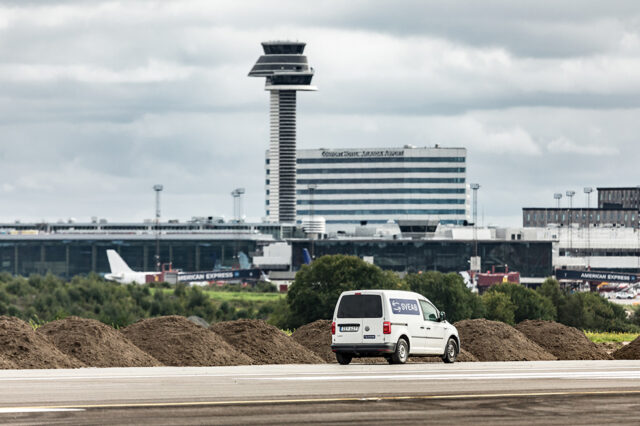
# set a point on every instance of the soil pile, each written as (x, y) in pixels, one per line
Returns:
(22, 346)
(630, 351)
(5, 364)
(176, 341)
(497, 341)
(562, 341)
(466, 356)
(264, 343)
(95, 344)
(610, 347)
(316, 337)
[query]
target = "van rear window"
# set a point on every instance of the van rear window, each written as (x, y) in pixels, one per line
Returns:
(361, 306)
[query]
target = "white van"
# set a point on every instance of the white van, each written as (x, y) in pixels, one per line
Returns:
(392, 324)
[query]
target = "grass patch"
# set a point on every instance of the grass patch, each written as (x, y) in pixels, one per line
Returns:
(606, 337)
(236, 296)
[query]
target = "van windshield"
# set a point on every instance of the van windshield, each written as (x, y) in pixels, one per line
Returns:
(360, 306)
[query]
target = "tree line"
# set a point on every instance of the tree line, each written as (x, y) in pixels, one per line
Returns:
(316, 289)
(312, 296)
(40, 299)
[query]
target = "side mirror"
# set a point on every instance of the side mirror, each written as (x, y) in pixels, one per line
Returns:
(443, 316)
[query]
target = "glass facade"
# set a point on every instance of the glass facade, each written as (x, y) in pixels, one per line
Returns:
(67, 258)
(382, 191)
(380, 180)
(385, 170)
(381, 211)
(381, 160)
(531, 259)
(382, 201)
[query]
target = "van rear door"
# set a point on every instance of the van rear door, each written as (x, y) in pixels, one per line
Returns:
(359, 319)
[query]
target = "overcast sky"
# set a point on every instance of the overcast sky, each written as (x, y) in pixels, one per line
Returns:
(99, 101)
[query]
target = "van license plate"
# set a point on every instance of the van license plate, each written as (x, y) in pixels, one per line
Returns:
(349, 328)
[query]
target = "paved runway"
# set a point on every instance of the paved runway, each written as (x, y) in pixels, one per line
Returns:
(574, 392)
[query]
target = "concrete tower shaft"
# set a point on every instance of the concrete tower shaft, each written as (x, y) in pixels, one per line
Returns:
(286, 71)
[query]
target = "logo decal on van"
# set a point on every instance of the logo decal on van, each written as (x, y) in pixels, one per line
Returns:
(404, 306)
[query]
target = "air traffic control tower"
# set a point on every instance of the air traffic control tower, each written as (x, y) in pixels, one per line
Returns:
(286, 71)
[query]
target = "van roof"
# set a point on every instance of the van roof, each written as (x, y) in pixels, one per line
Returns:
(396, 293)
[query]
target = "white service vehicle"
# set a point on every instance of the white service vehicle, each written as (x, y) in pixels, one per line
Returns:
(391, 324)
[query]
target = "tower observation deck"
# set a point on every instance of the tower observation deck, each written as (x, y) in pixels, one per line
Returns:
(286, 71)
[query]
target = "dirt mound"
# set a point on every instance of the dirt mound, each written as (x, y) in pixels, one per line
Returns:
(316, 337)
(610, 347)
(562, 341)
(630, 351)
(466, 356)
(264, 343)
(5, 364)
(497, 341)
(23, 347)
(176, 341)
(95, 344)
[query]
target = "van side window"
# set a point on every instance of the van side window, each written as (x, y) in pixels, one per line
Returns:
(429, 312)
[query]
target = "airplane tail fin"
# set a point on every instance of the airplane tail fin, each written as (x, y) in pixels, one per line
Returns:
(306, 256)
(116, 263)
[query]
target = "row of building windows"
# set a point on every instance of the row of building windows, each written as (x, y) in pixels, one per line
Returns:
(385, 170)
(389, 180)
(611, 215)
(382, 211)
(381, 160)
(378, 201)
(382, 191)
(377, 222)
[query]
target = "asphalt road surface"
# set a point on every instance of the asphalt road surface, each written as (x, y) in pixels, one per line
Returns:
(554, 392)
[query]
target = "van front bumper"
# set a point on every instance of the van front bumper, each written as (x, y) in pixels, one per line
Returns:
(364, 350)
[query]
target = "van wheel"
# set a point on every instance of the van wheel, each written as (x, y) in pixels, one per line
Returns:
(343, 359)
(402, 352)
(450, 351)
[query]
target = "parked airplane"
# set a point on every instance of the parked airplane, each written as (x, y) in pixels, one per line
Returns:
(121, 273)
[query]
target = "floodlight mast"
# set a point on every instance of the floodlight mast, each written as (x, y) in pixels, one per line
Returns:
(570, 194)
(237, 203)
(557, 196)
(588, 190)
(157, 188)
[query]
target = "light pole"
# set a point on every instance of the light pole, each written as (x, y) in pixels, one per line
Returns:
(557, 196)
(570, 194)
(158, 189)
(312, 189)
(588, 190)
(475, 187)
(237, 203)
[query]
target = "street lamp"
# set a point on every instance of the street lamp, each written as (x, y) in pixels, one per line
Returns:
(157, 189)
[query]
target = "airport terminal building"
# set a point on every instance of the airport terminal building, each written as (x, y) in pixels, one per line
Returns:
(352, 187)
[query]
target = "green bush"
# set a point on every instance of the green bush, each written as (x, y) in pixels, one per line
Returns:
(316, 288)
(529, 304)
(499, 307)
(448, 293)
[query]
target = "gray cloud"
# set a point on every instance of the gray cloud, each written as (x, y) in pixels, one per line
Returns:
(101, 100)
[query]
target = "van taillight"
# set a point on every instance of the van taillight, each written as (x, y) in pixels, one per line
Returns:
(386, 327)
(333, 327)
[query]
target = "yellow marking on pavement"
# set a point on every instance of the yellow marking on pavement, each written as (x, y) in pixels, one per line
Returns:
(320, 400)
